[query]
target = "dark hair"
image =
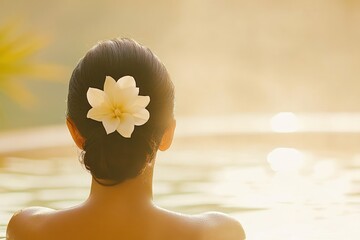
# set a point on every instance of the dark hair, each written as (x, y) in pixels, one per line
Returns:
(113, 157)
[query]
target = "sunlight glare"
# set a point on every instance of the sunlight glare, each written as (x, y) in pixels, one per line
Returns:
(284, 122)
(285, 159)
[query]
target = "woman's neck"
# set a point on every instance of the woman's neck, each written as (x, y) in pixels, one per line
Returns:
(132, 193)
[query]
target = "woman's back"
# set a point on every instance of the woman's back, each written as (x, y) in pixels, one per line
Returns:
(85, 222)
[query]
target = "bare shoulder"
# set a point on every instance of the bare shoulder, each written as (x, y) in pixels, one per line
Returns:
(219, 226)
(25, 223)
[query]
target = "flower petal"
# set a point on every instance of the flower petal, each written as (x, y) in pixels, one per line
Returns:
(111, 124)
(111, 89)
(96, 97)
(128, 96)
(109, 84)
(142, 101)
(99, 113)
(126, 82)
(126, 126)
(141, 117)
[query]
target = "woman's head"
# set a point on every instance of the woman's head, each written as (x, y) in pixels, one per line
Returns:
(111, 156)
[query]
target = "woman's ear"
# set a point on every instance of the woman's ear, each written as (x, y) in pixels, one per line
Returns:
(167, 138)
(78, 139)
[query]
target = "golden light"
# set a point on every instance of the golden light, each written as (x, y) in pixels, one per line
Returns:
(285, 160)
(284, 122)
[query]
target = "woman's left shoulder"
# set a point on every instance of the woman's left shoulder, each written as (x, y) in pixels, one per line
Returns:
(25, 223)
(221, 226)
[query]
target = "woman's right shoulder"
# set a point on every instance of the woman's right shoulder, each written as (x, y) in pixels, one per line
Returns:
(205, 226)
(24, 224)
(219, 226)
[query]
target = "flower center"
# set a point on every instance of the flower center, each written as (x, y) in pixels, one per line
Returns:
(117, 112)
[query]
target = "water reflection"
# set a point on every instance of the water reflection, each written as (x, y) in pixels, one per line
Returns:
(325, 169)
(285, 159)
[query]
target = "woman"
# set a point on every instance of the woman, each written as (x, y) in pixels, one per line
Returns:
(120, 113)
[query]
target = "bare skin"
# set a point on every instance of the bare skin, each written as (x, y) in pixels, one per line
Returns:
(123, 211)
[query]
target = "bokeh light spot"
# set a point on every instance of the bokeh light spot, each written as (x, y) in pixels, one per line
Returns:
(284, 122)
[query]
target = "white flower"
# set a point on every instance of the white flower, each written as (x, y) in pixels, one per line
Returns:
(119, 107)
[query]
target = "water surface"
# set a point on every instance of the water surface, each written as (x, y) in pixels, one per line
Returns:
(275, 192)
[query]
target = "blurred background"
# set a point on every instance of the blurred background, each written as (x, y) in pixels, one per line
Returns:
(232, 56)
(271, 86)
